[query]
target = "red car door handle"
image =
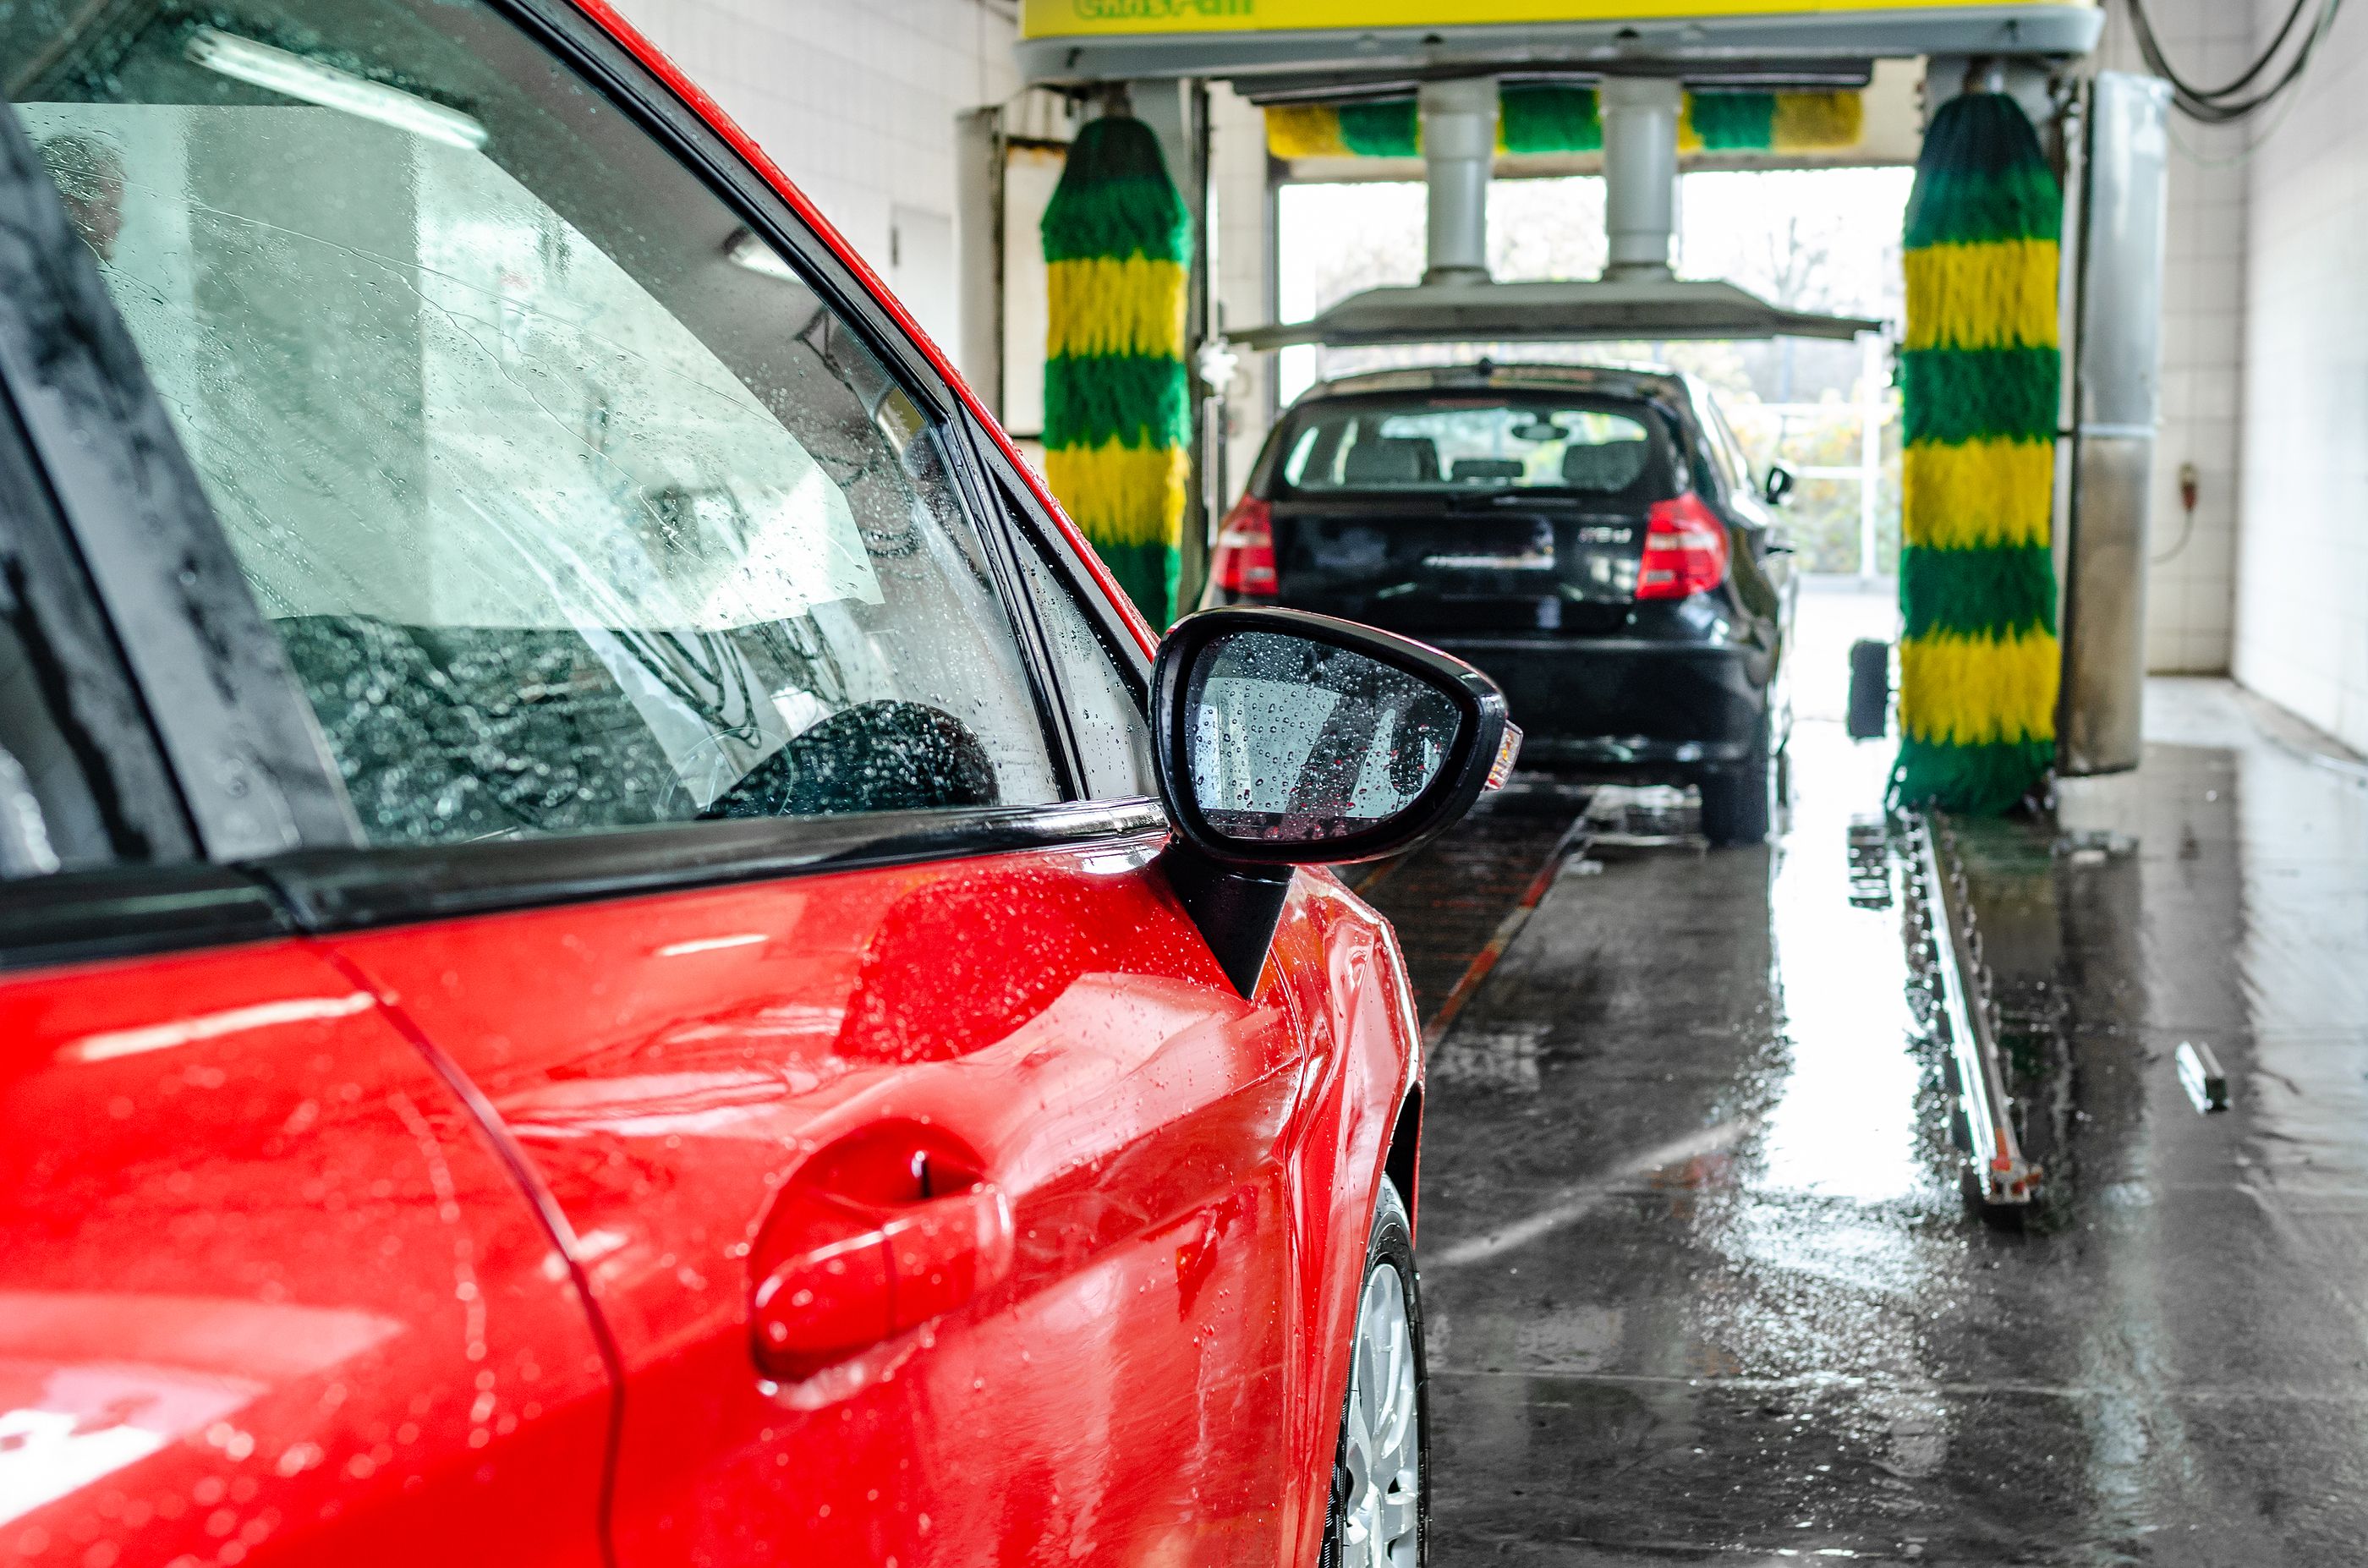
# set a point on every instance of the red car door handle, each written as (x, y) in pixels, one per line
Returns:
(872, 1237)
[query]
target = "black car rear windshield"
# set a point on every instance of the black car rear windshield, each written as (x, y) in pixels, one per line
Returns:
(1453, 442)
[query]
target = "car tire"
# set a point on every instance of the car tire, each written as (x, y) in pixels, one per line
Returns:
(1739, 804)
(1380, 1513)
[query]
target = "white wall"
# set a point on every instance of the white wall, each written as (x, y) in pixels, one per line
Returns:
(2191, 598)
(855, 101)
(2301, 569)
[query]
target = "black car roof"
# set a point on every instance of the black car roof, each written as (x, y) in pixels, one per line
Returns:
(1611, 381)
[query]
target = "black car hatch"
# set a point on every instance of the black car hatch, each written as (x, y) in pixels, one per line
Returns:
(1477, 511)
(1528, 563)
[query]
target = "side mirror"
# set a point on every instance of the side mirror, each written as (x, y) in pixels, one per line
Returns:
(1282, 738)
(1778, 488)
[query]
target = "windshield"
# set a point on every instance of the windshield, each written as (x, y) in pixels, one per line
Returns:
(1478, 442)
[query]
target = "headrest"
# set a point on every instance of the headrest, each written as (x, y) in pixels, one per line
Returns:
(1392, 459)
(1614, 465)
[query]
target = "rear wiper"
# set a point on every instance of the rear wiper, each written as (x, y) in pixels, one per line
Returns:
(1495, 499)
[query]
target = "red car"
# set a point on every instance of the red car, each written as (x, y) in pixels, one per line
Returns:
(616, 950)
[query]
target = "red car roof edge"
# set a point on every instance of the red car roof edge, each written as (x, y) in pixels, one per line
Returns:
(696, 98)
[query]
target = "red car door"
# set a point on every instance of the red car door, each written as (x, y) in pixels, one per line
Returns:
(721, 1087)
(723, 817)
(269, 1293)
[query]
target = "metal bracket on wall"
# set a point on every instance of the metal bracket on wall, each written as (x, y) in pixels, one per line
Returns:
(1945, 946)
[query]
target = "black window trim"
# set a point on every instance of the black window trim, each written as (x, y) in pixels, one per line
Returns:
(306, 870)
(135, 911)
(331, 890)
(125, 912)
(81, 668)
(157, 897)
(247, 756)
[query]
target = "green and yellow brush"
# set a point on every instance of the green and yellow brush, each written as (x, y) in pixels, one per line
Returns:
(1980, 373)
(1118, 416)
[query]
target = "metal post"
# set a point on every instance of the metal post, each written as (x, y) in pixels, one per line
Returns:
(1870, 449)
(1640, 174)
(1459, 151)
(2117, 381)
(978, 247)
(1178, 114)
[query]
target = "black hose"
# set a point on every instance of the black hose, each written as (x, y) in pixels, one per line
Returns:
(2218, 106)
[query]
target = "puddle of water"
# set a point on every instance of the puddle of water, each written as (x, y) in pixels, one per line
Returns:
(1846, 1123)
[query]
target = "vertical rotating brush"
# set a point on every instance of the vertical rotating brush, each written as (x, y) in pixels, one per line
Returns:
(1118, 418)
(1979, 374)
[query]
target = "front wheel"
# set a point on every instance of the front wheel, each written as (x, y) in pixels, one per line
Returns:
(1379, 1515)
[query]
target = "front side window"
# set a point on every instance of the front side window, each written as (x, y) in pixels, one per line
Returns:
(574, 506)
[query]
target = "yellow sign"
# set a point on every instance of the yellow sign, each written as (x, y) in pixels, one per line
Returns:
(1099, 19)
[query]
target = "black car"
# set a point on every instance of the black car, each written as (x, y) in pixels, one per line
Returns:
(1592, 538)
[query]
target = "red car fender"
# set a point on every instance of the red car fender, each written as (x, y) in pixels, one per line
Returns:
(697, 100)
(1364, 1068)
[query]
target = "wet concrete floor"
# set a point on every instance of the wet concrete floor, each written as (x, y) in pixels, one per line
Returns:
(1701, 1283)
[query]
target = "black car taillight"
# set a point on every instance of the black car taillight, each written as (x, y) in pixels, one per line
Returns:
(1243, 562)
(1685, 550)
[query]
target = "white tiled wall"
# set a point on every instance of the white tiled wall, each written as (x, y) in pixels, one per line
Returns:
(855, 99)
(2191, 594)
(2301, 569)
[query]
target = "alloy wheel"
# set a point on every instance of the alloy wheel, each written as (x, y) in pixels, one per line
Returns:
(1381, 1451)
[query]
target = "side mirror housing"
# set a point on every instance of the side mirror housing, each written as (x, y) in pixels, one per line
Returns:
(1778, 487)
(1283, 739)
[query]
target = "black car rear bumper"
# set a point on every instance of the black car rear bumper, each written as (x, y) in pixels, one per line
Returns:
(1626, 704)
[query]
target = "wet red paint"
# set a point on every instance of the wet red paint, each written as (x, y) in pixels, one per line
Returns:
(718, 1086)
(291, 1235)
(266, 1292)
(268, 1279)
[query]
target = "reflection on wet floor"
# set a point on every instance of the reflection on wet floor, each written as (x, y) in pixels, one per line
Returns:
(1700, 1279)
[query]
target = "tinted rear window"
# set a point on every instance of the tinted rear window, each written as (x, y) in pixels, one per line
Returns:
(1473, 442)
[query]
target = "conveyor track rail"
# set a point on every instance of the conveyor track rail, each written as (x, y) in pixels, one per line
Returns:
(1945, 939)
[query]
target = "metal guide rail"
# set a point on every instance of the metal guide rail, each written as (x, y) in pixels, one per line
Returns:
(1946, 944)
